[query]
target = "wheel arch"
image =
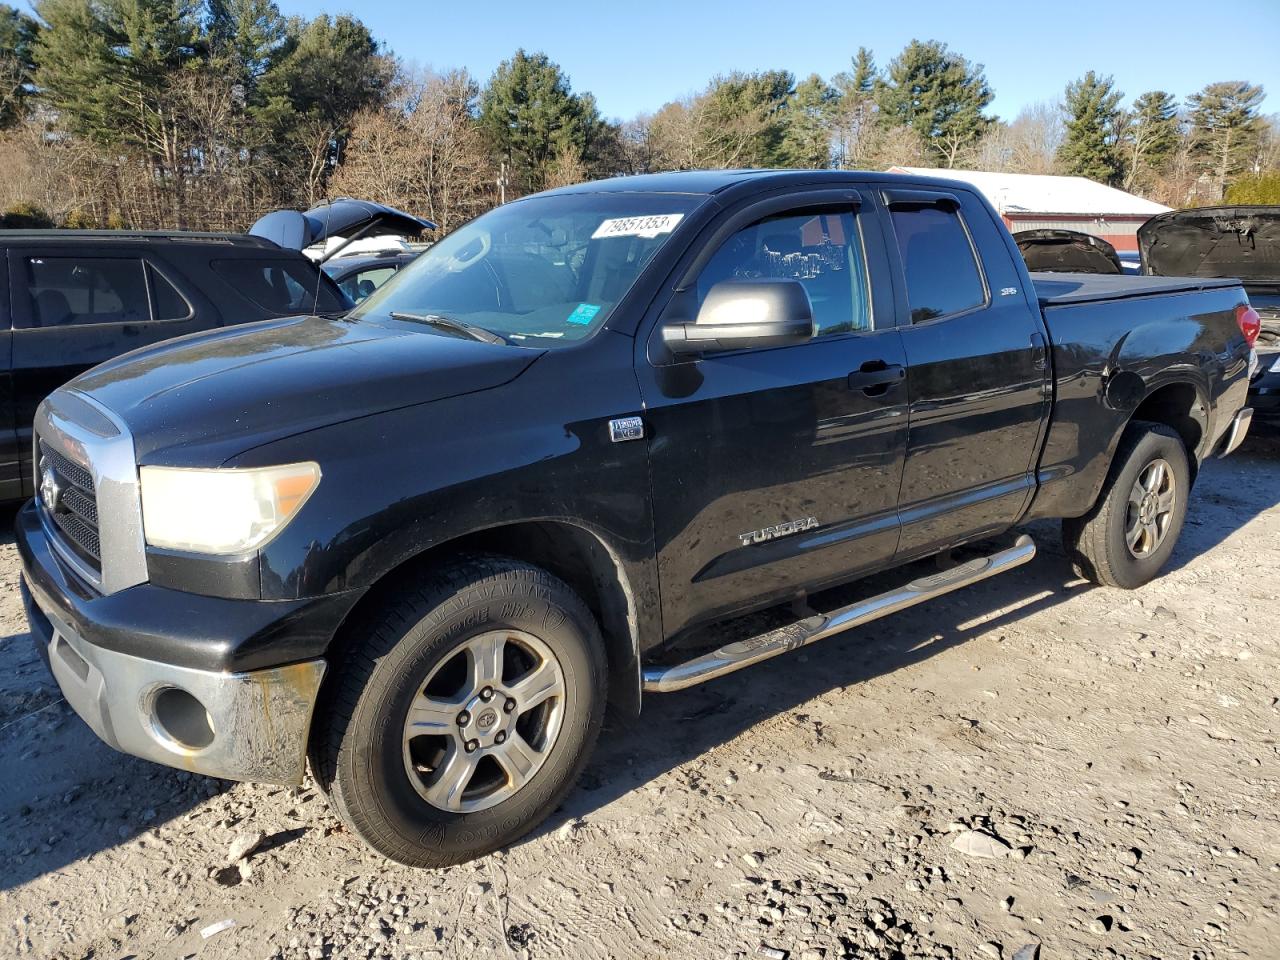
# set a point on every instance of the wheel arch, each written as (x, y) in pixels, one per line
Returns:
(1181, 406)
(578, 556)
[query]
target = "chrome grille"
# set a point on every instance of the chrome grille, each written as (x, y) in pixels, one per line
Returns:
(75, 513)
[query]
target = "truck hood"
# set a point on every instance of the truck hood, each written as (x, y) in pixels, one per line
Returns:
(1242, 242)
(1066, 251)
(202, 399)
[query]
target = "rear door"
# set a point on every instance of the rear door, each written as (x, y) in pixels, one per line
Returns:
(776, 470)
(977, 371)
(73, 309)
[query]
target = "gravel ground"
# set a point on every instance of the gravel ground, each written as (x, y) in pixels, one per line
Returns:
(1033, 768)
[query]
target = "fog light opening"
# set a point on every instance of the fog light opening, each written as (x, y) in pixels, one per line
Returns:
(182, 718)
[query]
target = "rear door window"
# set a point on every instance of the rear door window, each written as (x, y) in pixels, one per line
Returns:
(280, 285)
(938, 261)
(74, 291)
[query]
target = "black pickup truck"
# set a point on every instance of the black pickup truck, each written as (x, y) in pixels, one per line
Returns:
(424, 544)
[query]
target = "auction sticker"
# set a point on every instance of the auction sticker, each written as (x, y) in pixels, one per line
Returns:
(648, 227)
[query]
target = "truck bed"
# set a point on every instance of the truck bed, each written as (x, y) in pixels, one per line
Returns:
(1059, 289)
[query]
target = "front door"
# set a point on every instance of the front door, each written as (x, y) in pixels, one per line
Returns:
(776, 470)
(977, 372)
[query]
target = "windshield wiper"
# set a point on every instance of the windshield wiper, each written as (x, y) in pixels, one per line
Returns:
(448, 323)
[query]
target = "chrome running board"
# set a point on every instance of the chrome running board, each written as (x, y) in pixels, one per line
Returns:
(743, 653)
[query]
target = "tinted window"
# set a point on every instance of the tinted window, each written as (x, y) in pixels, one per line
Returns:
(170, 304)
(359, 285)
(941, 272)
(79, 290)
(821, 250)
(281, 286)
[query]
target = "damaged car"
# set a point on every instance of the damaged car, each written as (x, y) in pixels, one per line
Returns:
(1067, 251)
(1241, 242)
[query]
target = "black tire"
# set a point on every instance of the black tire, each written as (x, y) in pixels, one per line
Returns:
(1097, 542)
(358, 751)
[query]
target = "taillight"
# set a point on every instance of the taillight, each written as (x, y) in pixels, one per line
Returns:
(1250, 323)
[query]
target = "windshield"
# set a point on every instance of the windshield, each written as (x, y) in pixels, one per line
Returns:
(545, 271)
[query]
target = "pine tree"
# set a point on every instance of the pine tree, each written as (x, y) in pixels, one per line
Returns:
(18, 34)
(1150, 137)
(535, 122)
(1092, 109)
(807, 133)
(939, 95)
(1226, 128)
(854, 109)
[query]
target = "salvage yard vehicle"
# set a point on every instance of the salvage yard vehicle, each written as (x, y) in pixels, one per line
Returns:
(1067, 251)
(425, 543)
(70, 299)
(359, 276)
(1232, 241)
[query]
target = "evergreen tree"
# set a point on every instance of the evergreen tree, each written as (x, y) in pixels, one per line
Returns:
(807, 132)
(18, 34)
(1150, 138)
(854, 109)
(1092, 109)
(1226, 128)
(939, 95)
(535, 122)
(749, 109)
(104, 65)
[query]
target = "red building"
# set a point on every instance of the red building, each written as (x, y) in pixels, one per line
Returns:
(1037, 202)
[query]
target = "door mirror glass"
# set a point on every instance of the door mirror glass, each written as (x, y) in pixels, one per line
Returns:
(745, 314)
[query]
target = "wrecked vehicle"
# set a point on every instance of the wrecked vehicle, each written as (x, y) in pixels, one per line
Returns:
(70, 299)
(1067, 251)
(1231, 241)
(423, 545)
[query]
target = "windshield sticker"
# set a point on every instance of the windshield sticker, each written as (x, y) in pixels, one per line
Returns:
(584, 313)
(648, 227)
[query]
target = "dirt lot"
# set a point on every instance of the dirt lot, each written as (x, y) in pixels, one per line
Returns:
(1117, 752)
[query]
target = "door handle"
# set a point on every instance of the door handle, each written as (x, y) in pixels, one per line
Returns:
(875, 377)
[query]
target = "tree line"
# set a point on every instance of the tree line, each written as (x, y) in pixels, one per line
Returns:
(204, 114)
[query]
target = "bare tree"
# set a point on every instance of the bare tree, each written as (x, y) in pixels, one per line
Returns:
(424, 154)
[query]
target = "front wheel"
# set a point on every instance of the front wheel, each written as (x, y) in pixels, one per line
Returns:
(1131, 531)
(463, 714)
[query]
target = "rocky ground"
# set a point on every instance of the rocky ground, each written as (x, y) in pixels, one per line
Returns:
(1034, 768)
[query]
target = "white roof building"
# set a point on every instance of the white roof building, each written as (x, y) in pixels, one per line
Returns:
(1029, 201)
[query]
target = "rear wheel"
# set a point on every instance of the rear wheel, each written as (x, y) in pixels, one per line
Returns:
(463, 713)
(1131, 531)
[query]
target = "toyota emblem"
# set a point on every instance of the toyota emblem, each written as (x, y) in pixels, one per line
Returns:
(50, 490)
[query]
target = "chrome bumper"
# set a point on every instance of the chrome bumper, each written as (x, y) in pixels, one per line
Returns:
(240, 726)
(1238, 430)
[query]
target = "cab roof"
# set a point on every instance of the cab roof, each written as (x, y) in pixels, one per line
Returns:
(711, 182)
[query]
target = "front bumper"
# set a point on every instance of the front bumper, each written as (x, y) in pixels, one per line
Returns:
(212, 718)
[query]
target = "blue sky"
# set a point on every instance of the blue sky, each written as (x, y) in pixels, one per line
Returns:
(635, 56)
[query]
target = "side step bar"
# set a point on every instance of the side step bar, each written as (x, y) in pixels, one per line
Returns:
(743, 653)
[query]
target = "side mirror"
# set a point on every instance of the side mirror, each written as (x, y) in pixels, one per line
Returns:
(739, 314)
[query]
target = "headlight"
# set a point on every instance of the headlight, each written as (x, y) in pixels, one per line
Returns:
(222, 511)
(1275, 367)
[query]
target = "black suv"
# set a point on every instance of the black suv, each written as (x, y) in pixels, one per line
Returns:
(70, 299)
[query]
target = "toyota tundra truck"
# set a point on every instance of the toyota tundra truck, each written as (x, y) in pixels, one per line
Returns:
(422, 545)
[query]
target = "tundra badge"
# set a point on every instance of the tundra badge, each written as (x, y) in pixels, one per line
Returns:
(778, 530)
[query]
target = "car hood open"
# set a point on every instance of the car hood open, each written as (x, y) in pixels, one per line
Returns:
(201, 399)
(1067, 251)
(344, 217)
(1241, 242)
